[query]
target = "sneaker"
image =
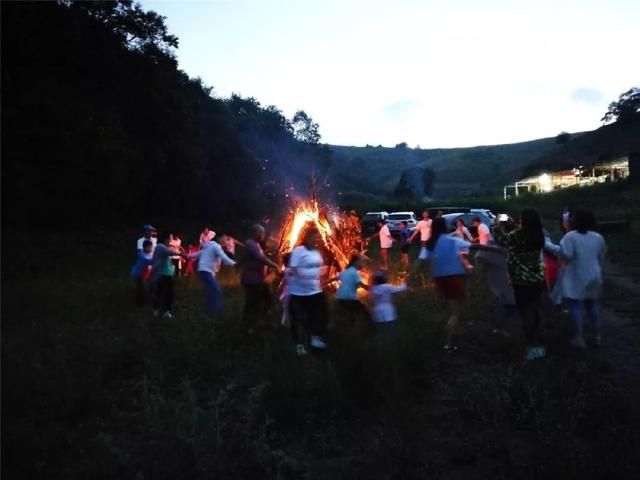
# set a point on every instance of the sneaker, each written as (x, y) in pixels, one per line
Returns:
(300, 350)
(317, 342)
(168, 314)
(578, 342)
(450, 348)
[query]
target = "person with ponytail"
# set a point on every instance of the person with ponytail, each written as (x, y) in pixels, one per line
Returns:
(447, 256)
(526, 272)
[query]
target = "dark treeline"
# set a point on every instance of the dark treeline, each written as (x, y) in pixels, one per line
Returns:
(100, 126)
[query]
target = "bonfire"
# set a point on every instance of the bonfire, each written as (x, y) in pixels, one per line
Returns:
(340, 233)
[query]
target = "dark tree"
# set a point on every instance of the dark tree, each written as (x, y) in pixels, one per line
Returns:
(428, 180)
(100, 126)
(562, 138)
(625, 109)
(304, 128)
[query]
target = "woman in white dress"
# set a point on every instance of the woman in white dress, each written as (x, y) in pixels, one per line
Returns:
(583, 251)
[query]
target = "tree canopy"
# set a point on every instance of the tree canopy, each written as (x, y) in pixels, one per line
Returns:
(100, 125)
(625, 109)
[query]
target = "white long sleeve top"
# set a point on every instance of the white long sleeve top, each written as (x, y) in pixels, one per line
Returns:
(209, 256)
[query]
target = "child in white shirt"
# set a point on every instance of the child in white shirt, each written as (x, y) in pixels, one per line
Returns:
(384, 311)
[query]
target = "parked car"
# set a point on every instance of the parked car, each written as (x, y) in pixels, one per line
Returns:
(451, 219)
(370, 221)
(487, 212)
(433, 211)
(395, 219)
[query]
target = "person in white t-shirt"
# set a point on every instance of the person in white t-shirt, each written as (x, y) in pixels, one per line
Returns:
(148, 235)
(386, 241)
(583, 251)
(484, 236)
(307, 301)
(423, 227)
(176, 244)
(383, 309)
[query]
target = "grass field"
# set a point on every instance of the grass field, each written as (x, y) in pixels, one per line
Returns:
(94, 387)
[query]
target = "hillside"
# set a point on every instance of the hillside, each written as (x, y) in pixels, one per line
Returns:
(375, 171)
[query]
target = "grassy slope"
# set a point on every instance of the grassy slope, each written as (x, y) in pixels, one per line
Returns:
(95, 388)
(477, 170)
(377, 170)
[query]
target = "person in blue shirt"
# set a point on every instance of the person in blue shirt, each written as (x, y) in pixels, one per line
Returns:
(405, 234)
(141, 270)
(447, 256)
(354, 313)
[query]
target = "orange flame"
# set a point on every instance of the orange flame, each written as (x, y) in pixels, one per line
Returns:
(340, 233)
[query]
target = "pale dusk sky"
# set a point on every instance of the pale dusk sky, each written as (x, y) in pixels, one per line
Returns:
(431, 73)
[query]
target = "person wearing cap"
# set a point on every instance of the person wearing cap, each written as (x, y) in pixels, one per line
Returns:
(148, 235)
(206, 236)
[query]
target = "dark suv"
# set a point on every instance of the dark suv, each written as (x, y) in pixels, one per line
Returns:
(370, 221)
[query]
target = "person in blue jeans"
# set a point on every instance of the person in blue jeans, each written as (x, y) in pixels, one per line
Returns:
(208, 259)
(583, 251)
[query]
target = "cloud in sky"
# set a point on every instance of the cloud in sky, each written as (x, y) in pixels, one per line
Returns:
(590, 96)
(437, 73)
(402, 109)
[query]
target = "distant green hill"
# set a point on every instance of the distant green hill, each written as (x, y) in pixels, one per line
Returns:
(483, 170)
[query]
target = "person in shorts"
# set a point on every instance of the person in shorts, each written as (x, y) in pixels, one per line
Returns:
(447, 256)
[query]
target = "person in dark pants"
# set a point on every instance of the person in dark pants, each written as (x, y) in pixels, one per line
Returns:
(162, 273)
(353, 314)
(526, 272)
(257, 295)
(308, 303)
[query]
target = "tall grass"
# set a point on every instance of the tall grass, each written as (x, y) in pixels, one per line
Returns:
(94, 387)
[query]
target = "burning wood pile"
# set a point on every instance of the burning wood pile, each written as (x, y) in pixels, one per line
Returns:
(340, 233)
